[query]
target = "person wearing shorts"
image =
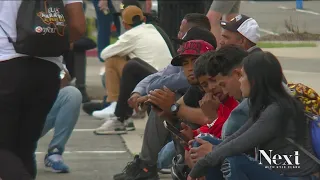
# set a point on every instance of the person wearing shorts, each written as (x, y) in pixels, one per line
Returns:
(221, 9)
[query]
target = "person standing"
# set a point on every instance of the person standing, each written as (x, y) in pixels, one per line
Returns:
(105, 17)
(221, 9)
(29, 84)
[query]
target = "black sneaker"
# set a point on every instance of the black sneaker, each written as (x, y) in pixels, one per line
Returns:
(137, 170)
(89, 107)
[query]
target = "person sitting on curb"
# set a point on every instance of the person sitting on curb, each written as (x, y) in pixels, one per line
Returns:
(141, 42)
(189, 107)
(62, 117)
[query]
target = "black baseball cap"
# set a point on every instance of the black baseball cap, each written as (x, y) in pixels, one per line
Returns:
(244, 25)
(197, 33)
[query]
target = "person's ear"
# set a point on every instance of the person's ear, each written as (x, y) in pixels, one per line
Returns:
(237, 72)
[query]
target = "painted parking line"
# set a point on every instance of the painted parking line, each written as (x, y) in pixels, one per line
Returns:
(268, 32)
(79, 130)
(88, 152)
(299, 10)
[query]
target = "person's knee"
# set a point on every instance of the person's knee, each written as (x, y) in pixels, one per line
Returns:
(234, 163)
(132, 64)
(70, 94)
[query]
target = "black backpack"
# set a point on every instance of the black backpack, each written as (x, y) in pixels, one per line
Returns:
(41, 29)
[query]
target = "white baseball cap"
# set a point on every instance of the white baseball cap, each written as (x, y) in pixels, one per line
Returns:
(244, 25)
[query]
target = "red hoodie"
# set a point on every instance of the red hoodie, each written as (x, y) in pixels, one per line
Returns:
(223, 111)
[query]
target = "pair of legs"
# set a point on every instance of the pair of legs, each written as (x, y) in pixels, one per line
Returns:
(104, 25)
(244, 167)
(145, 165)
(63, 117)
(28, 89)
(132, 72)
(221, 9)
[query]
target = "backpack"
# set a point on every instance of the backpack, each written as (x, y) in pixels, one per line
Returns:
(311, 102)
(307, 96)
(41, 29)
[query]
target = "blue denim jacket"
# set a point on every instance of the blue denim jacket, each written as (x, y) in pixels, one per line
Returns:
(238, 117)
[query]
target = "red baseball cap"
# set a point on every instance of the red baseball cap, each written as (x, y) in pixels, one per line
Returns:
(191, 48)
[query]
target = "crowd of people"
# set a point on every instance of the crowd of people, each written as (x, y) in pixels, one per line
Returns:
(229, 101)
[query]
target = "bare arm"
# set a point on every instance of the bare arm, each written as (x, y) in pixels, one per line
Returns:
(76, 20)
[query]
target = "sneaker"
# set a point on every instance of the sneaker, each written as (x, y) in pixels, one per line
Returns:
(129, 125)
(54, 163)
(137, 170)
(112, 126)
(104, 113)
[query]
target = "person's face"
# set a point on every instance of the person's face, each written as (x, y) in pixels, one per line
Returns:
(230, 84)
(244, 84)
(229, 37)
(187, 66)
(183, 29)
(213, 87)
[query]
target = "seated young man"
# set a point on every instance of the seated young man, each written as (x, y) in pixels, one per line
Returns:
(210, 105)
(155, 135)
(141, 42)
(62, 117)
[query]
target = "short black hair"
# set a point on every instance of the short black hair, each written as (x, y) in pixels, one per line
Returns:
(226, 59)
(198, 19)
(136, 21)
(200, 66)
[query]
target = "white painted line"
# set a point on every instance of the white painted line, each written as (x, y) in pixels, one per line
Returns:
(268, 32)
(283, 7)
(89, 152)
(308, 12)
(299, 10)
(79, 130)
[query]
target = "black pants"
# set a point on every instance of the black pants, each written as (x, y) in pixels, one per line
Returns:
(133, 72)
(28, 89)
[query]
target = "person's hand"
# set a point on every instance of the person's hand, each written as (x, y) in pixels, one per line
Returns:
(164, 99)
(186, 131)
(188, 159)
(201, 151)
(103, 5)
(132, 101)
(209, 105)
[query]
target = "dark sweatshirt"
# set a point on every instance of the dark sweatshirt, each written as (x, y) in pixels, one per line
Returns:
(264, 134)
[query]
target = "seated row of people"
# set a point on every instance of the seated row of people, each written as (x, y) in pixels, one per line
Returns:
(213, 107)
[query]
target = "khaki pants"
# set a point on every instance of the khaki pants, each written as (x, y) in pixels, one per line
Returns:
(114, 67)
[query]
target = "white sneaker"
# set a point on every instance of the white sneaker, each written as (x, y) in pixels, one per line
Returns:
(111, 127)
(106, 112)
(129, 125)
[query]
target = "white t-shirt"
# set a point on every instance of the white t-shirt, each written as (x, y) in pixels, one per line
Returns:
(8, 16)
(144, 42)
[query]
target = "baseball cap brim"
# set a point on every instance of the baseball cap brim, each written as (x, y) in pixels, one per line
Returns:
(177, 61)
(228, 26)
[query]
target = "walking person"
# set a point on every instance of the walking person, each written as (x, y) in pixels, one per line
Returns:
(29, 72)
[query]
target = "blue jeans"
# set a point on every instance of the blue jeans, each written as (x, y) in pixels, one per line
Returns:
(63, 117)
(104, 25)
(166, 155)
(243, 167)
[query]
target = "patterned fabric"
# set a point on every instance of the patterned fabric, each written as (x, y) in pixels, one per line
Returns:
(309, 97)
